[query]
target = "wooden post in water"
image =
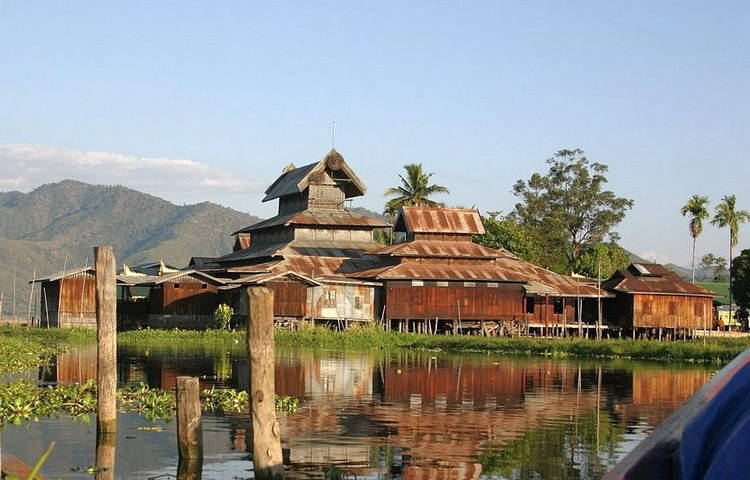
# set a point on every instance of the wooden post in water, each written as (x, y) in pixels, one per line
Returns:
(106, 340)
(189, 430)
(105, 455)
(266, 433)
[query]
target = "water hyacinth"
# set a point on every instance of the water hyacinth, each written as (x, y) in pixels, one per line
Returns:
(24, 400)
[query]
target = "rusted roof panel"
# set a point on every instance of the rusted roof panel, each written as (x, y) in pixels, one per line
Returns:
(318, 217)
(440, 220)
(438, 271)
(440, 249)
(663, 284)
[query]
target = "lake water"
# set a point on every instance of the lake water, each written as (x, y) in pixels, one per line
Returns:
(410, 415)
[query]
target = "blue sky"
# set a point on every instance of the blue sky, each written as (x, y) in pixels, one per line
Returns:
(203, 101)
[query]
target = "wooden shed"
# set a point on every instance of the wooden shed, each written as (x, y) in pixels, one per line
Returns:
(67, 299)
(184, 299)
(648, 296)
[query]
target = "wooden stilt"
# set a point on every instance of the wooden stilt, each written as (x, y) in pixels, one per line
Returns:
(106, 338)
(189, 430)
(266, 433)
(106, 443)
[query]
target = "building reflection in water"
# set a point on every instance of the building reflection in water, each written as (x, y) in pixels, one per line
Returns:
(415, 415)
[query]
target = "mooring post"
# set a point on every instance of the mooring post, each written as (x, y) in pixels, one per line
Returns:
(105, 455)
(106, 338)
(189, 430)
(266, 433)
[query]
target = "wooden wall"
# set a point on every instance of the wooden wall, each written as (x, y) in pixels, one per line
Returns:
(406, 301)
(289, 298)
(75, 302)
(188, 296)
(667, 311)
(672, 311)
(343, 302)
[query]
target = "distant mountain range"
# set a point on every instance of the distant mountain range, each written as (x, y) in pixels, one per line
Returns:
(40, 229)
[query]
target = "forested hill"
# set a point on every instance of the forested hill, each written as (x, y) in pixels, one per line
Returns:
(38, 229)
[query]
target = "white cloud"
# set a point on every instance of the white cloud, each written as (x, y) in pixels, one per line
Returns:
(655, 257)
(24, 167)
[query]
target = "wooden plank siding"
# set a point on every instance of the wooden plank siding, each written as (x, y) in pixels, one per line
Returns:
(503, 302)
(666, 311)
(289, 298)
(187, 303)
(76, 301)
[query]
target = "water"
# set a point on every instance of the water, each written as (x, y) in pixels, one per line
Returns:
(407, 415)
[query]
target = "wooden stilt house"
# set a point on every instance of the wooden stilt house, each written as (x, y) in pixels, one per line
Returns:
(650, 298)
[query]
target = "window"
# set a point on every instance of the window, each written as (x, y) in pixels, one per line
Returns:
(442, 284)
(470, 284)
(530, 305)
(330, 299)
(417, 283)
(358, 302)
(673, 308)
(698, 309)
(204, 286)
(558, 304)
(176, 285)
(647, 308)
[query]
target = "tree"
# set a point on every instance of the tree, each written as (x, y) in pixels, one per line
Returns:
(505, 232)
(713, 267)
(741, 279)
(415, 190)
(697, 208)
(727, 216)
(610, 256)
(568, 209)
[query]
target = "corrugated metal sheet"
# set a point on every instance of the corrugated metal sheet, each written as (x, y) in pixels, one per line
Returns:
(297, 180)
(318, 217)
(440, 220)
(429, 249)
(669, 283)
(437, 271)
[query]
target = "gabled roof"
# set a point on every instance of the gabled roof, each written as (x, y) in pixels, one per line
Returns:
(439, 220)
(317, 217)
(261, 278)
(655, 279)
(298, 179)
(177, 275)
(65, 274)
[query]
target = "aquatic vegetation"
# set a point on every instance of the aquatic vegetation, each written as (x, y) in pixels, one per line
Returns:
(714, 350)
(22, 348)
(24, 400)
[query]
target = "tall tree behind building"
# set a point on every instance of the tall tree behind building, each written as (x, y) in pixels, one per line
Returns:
(697, 208)
(728, 216)
(568, 209)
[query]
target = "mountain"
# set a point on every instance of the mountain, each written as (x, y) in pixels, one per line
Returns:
(58, 224)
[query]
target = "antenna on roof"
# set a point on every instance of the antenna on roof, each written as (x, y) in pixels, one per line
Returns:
(333, 135)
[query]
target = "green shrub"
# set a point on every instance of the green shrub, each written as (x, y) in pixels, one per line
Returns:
(223, 316)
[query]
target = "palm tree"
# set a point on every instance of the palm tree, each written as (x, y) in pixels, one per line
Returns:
(697, 207)
(727, 216)
(415, 190)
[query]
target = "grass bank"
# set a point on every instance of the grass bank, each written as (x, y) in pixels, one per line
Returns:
(718, 351)
(22, 348)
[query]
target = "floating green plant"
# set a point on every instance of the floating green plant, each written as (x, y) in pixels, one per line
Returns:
(23, 400)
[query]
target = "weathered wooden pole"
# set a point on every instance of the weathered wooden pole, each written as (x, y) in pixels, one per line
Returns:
(106, 338)
(189, 430)
(106, 443)
(266, 433)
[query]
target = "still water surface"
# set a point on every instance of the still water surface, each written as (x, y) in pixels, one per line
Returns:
(409, 415)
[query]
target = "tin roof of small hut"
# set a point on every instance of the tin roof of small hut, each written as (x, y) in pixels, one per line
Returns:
(439, 220)
(298, 179)
(317, 217)
(655, 279)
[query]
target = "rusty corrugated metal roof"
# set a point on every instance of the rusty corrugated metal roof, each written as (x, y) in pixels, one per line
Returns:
(439, 220)
(439, 249)
(665, 283)
(318, 217)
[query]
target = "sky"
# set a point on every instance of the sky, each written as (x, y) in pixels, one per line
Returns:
(199, 101)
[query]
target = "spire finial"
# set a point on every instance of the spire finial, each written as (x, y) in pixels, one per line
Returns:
(333, 135)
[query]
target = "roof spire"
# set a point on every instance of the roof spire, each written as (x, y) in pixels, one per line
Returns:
(333, 136)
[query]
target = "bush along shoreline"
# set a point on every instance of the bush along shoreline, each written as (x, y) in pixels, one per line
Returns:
(713, 350)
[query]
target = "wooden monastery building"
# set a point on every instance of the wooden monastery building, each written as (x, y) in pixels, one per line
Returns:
(651, 299)
(323, 265)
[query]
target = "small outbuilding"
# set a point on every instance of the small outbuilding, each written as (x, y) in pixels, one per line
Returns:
(651, 299)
